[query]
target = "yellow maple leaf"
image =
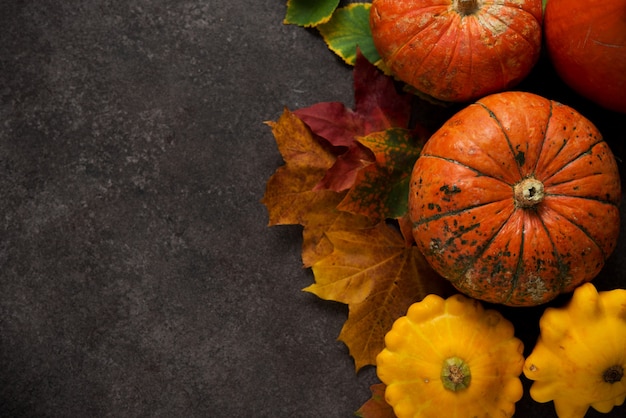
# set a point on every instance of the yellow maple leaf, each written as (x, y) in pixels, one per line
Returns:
(289, 195)
(315, 243)
(379, 277)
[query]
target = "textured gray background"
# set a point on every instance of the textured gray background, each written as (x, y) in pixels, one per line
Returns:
(137, 274)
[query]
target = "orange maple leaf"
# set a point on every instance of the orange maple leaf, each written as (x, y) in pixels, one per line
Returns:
(379, 277)
(376, 406)
(289, 195)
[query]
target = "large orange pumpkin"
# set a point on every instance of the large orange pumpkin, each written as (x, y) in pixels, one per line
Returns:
(458, 50)
(586, 41)
(515, 199)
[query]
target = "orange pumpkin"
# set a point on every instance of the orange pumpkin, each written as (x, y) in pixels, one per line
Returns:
(586, 41)
(515, 199)
(458, 50)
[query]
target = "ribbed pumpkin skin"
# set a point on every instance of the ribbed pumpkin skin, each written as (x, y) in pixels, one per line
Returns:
(454, 57)
(469, 223)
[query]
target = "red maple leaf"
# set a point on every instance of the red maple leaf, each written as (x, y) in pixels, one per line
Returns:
(378, 106)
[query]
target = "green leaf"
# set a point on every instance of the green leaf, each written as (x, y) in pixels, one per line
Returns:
(349, 29)
(309, 12)
(381, 189)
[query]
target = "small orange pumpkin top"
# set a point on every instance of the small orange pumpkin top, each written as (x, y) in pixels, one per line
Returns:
(458, 50)
(515, 199)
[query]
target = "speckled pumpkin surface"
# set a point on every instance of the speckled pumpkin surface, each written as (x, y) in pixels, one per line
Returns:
(515, 199)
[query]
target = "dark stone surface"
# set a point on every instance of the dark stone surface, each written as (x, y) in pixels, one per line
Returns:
(137, 274)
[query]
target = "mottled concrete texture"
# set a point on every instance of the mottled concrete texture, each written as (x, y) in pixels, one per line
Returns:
(138, 277)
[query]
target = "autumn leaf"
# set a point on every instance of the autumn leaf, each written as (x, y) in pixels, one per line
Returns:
(309, 13)
(342, 175)
(381, 190)
(405, 224)
(379, 277)
(289, 195)
(333, 121)
(376, 98)
(348, 30)
(316, 244)
(378, 106)
(376, 406)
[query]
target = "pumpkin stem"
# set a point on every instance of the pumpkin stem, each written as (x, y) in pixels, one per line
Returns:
(613, 374)
(528, 193)
(455, 374)
(466, 7)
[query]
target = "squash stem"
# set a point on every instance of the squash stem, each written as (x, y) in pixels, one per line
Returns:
(528, 193)
(455, 374)
(466, 7)
(613, 374)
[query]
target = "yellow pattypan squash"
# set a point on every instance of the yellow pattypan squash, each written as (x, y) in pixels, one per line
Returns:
(451, 357)
(580, 356)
